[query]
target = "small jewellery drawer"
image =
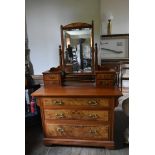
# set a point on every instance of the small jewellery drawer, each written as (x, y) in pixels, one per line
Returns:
(105, 76)
(51, 76)
(78, 131)
(89, 102)
(77, 115)
(51, 83)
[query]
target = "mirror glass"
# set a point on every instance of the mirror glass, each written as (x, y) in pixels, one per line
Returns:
(77, 49)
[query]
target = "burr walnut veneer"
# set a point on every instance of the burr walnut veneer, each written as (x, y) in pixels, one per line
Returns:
(78, 115)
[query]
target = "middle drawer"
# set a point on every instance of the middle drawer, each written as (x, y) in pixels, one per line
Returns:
(101, 115)
(88, 102)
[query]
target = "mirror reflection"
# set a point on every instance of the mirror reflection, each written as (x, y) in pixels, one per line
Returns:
(77, 49)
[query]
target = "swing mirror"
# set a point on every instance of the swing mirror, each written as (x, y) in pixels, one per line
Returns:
(77, 41)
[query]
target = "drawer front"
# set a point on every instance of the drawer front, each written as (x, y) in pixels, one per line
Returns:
(51, 83)
(89, 102)
(78, 131)
(77, 115)
(105, 76)
(51, 76)
(105, 83)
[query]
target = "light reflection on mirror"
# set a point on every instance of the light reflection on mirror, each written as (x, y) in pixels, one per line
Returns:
(77, 47)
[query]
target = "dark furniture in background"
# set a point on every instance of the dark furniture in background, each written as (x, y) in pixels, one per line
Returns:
(124, 72)
(30, 115)
(31, 118)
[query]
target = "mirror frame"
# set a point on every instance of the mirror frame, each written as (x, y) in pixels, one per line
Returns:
(77, 25)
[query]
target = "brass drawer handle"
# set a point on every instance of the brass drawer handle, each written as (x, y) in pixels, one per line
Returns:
(92, 103)
(93, 116)
(93, 132)
(58, 102)
(60, 115)
(60, 130)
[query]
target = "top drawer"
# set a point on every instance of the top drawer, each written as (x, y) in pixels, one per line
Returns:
(89, 102)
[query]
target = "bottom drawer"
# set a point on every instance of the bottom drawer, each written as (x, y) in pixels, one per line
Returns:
(97, 132)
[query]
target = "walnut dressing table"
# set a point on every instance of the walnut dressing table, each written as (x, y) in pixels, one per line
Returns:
(78, 115)
(77, 103)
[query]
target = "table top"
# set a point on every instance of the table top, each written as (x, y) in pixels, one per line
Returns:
(81, 91)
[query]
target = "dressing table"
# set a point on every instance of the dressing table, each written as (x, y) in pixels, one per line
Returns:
(77, 101)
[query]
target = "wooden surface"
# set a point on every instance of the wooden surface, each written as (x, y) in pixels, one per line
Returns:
(78, 115)
(77, 91)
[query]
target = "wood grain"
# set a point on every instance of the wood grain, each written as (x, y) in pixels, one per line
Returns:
(81, 115)
(77, 91)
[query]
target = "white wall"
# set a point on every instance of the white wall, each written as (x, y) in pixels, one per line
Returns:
(44, 18)
(120, 11)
